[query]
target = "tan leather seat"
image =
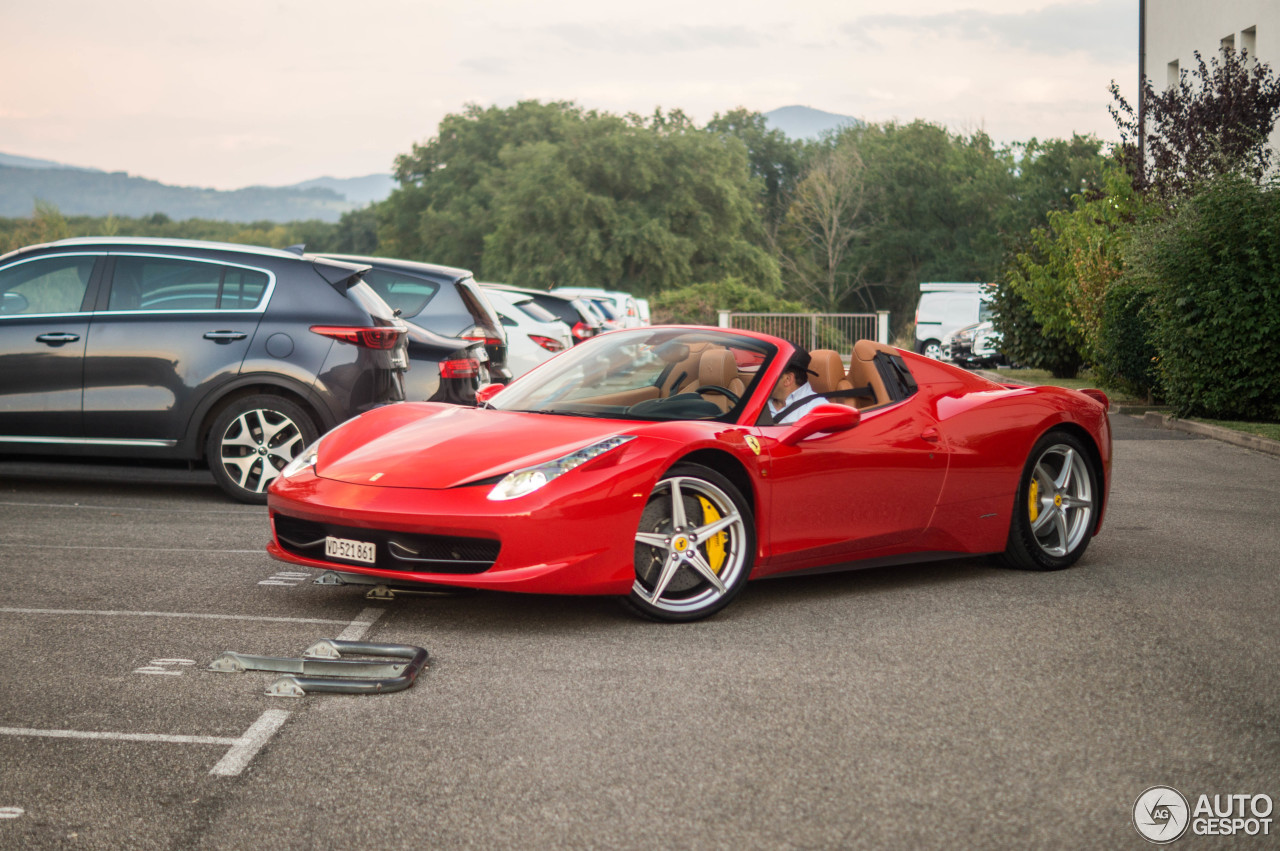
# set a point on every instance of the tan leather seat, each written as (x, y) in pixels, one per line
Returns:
(830, 375)
(718, 367)
(684, 360)
(863, 372)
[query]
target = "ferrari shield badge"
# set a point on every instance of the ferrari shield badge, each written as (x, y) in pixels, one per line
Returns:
(753, 443)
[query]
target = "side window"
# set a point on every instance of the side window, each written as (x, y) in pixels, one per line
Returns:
(52, 285)
(403, 293)
(155, 283)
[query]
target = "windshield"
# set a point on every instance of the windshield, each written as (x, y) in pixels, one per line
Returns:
(646, 374)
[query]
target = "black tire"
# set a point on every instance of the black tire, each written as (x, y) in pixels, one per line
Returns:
(1056, 507)
(251, 439)
(691, 570)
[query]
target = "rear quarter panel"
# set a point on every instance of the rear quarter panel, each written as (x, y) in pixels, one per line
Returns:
(989, 432)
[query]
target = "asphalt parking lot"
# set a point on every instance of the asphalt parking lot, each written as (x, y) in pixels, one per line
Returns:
(933, 706)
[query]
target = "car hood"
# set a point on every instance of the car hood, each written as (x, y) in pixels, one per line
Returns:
(427, 445)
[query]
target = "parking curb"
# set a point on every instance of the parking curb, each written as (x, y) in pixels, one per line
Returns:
(1226, 435)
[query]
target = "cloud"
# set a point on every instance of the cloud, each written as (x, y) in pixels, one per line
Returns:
(1107, 30)
(669, 40)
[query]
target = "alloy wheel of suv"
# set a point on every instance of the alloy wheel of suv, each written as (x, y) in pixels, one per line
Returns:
(252, 439)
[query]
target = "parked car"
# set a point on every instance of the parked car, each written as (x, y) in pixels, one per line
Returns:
(155, 348)
(583, 318)
(441, 300)
(533, 333)
(975, 346)
(604, 472)
(622, 306)
(946, 307)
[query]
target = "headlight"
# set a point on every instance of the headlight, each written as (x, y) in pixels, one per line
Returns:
(529, 479)
(306, 459)
(964, 336)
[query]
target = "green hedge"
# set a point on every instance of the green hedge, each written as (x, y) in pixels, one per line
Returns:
(1127, 354)
(1217, 261)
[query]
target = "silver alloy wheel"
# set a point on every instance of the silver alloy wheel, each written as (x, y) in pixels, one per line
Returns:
(256, 445)
(678, 547)
(933, 349)
(1060, 500)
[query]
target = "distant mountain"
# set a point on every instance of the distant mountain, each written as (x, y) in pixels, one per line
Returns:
(805, 122)
(357, 190)
(91, 193)
(31, 162)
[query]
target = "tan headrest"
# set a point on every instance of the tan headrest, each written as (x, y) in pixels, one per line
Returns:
(717, 367)
(829, 369)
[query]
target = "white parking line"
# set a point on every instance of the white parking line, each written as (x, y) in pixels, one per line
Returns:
(11, 812)
(250, 743)
(204, 615)
(131, 549)
(119, 737)
(358, 627)
(243, 748)
(251, 512)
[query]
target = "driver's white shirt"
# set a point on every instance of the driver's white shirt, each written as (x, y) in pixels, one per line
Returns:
(799, 393)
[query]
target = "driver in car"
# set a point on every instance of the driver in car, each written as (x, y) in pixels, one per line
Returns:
(792, 397)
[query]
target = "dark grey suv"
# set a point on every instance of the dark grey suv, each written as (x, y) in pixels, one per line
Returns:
(154, 348)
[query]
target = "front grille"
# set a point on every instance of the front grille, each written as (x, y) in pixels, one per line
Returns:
(395, 550)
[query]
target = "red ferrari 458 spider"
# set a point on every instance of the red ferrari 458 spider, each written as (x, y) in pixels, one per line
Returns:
(646, 463)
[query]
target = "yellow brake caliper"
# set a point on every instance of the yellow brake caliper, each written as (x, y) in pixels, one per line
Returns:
(715, 546)
(1034, 500)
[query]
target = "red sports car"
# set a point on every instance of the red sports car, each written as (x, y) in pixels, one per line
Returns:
(645, 463)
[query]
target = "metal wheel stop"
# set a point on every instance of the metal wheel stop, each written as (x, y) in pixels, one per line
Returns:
(323, 670)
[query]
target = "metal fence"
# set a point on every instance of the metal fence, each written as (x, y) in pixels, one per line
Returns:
(838, 331)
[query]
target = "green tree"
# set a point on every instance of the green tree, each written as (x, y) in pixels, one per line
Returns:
(443, 208)
(934, 203)
(777, 162)
(1065, 275)
(826, 218)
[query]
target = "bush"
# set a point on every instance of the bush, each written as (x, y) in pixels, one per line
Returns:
(1026, 342)
(1218, 303)
(1127, 354)
(699, 304)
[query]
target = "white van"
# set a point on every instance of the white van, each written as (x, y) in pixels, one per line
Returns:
(945, 307)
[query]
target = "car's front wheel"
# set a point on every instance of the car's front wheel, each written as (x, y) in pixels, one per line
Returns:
(694, 548)
(252, 438)
(1056, 509)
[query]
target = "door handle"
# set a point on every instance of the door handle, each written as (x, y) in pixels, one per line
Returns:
(224, 336)
(57, 339)
(930, 434)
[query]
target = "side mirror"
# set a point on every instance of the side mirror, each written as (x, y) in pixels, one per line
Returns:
(822, 419)
(487, 392)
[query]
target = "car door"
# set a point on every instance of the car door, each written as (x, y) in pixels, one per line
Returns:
(44, 325)
(838, 496)
(167, 331)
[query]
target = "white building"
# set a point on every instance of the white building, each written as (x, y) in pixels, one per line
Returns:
(1171, 31)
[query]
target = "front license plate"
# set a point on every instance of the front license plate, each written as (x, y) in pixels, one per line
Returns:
(345, 548)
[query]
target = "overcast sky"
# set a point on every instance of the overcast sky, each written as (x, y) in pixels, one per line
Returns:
(243, 92)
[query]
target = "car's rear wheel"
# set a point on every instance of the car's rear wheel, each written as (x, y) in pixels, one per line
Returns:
(1056, 509)
(252, 439)
(931, 349)
(694, 548)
